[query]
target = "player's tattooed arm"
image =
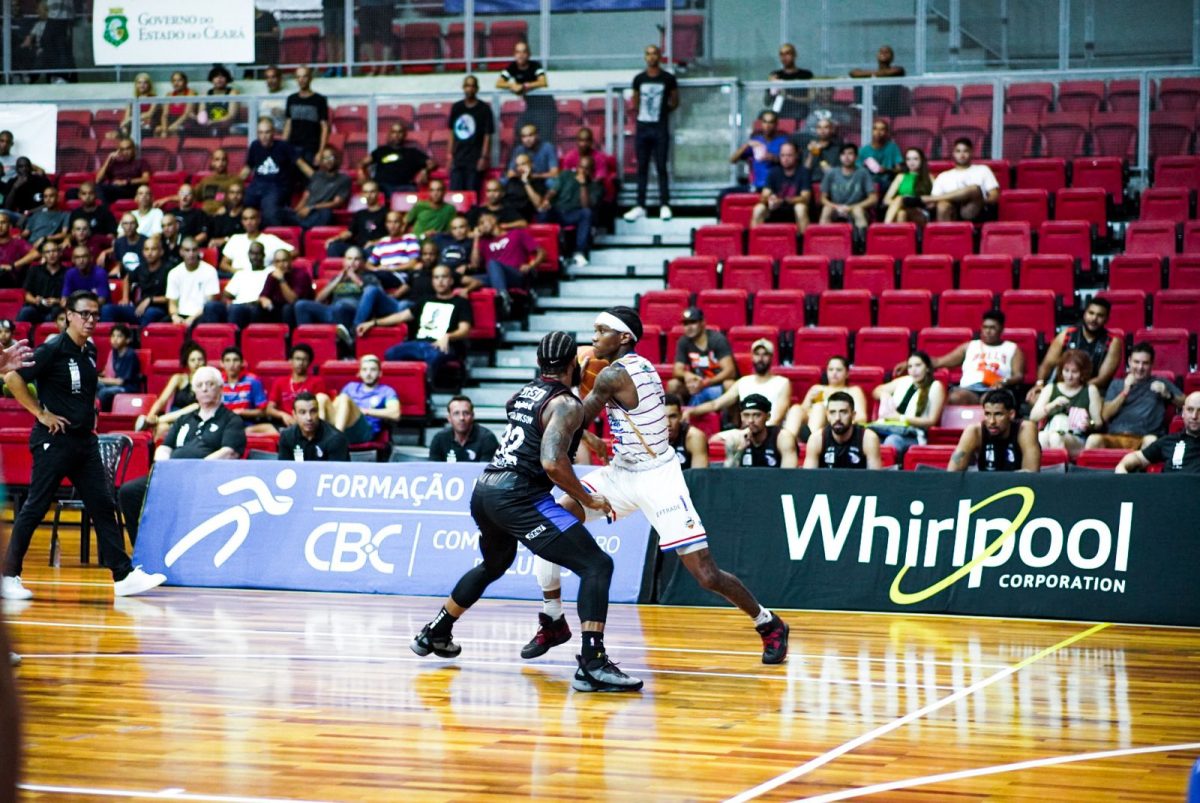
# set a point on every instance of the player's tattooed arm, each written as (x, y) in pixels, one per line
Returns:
(609, 382)
(565, 418)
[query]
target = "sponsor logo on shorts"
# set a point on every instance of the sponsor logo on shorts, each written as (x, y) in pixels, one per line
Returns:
(664, 511)
(535, 532)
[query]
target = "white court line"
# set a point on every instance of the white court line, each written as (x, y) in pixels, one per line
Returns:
(959, 775)
(912, 716)
(162, 794)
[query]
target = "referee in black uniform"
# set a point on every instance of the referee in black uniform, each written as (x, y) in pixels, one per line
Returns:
(64, 444)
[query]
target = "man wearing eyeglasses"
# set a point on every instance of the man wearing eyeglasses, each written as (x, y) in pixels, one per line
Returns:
(63, 443)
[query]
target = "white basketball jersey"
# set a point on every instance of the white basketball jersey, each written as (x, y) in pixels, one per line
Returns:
(640, 435)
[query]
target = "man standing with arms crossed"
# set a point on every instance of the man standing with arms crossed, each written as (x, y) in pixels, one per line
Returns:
(644, 475)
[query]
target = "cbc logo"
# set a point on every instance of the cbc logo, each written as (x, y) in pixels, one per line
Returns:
(353, 546)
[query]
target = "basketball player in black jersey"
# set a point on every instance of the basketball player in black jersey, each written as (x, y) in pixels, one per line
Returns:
(512, 503)
(841, 443)
(999, 442)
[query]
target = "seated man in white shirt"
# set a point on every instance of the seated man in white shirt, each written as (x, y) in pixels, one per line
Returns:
(236, 254)
(239, 300)
(190, 285)
(962, 192)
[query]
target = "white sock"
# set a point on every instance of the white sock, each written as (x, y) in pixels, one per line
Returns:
(763, 617)
(552, 607)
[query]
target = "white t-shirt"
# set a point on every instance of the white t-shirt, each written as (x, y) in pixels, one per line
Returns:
(775, 389)
(190, 289)
(954, 179)
(149, 223)
(237, 248)
(247, 285)
(987, 365)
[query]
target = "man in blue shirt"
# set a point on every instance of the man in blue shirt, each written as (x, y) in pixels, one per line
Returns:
(761, 151)
(361, 408)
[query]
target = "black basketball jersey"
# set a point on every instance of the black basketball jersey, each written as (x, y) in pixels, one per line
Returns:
(1096, 349)
(766, 455)
(521, 445)
(1000, 453)
(843, 455)
(680, 446)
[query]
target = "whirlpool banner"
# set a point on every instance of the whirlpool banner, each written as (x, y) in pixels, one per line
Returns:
(1073, 546)
(393, 528)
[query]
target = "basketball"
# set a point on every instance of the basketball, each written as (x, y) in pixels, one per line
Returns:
(590, 367)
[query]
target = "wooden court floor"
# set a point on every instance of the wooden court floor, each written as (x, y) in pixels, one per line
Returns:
(223, 695)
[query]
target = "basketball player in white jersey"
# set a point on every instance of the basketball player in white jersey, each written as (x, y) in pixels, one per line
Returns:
(644, 474)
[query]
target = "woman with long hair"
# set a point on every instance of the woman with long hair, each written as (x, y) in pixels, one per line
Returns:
(178, 393)
(176, 116)
(909, 405)
(811, 411)
(1070, 406)
(903, 198)
(143, 87)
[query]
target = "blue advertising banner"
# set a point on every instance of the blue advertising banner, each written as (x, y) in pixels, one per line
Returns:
(386, 528)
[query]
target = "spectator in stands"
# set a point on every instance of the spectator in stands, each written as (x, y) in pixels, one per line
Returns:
(271, 162)
(909, 405)
(821, 151)
(812, 410)
(308, 438)
(420, 273)
(542, 158)
(24, 190)
(190, 285)
(524, 191)
(439, 325)
(327, 190)
(143, 87)
(471, 126)
(127, 249)
(81, 234)
(238, 302)
(228, 219)
(174, 118)
(8, 159)
(242, 392)
(757, 443)
(172, 238)
(367, 225)
(122, 172)
(963, 191)
(13, 248)
(509, 257)
(7, 333)
(148, 216)
(848, 193)
(881, 156)
(884, 68)
(689, 443)
(704, 366)
(1069, 406)
(999, 442)
(655, 96)
(842, 443)
(790, 103)
(334, 31)
(570, 201)
(215, 184)
(777, 389)
(432, 215)
(275, 104)
(1178, 451)
(306, 128)
(100, 220)
(122, 371)
(761, 151)
(388, 289)
(454, 248)
(338, 300)
(46, 222)
(236, 254)
(286, 284)
(462, 440)
(1103, 348)
(178, 396)
(523, 75)
(393, 253)
(208, 431)
(285, 390)
(988, 362)
(361, 408)
(903, 198)
(1135, 406)
(190, 220)
(145, 289)
(506, 216)
(397, 166)
(43, 286)
(585, 145)
(219, 117)
(84, 274)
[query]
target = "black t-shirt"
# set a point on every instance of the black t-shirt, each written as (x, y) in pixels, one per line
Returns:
(66, 378)
(786, 186)
(368, 225)
(506, 214)
(1179, 451)
(226, 225)
(527, 75)
(272, 167)
(192, 222)
(521, 445)
(843, 455)
(398, 166)
(794, 74)
(764, 455)
(1096, 350)
(517, 199)
(25, 197)
(453, 253)
(41, 282)
(306, 115)
(146, 283)
(435, 321)
(680, 446)
(191, 438)
(1000, 453)
(100, 219)
(480, 447)
(469, 125)
(654, 92)
(328, 445)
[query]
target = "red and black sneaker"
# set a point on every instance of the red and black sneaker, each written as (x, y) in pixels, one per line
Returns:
(775, 640)
(551, 633)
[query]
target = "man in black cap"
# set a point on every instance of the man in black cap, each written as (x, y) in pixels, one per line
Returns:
(841, 443)
(757, 444)
(704, 366)
(512, 504)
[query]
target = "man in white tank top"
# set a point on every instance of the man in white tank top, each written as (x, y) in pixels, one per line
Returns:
(987, 363)
(644, 475)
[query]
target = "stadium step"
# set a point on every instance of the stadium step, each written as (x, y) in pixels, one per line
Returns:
(578, 301)
(676, 228)
(502, 373)
(649, 256)
(626, 289)
(617, 271)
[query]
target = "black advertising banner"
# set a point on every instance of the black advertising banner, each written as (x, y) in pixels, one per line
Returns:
(1079, 546)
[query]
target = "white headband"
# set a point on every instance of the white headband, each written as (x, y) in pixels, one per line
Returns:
(615, 323)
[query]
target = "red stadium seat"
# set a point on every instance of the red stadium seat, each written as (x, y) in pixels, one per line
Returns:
(1029, 98)
(315, 238)
(872, 273)
(933, 456)
(1063, 133)
(1053, 272)
(1177, 171)
(1135, 272)
(933, 272)
(911, 309)
(750, 273)
(1170, 347)
(742, 338)
(546, 235)
(831, 239)
(955, 239)
(723, 308)
(783, 309)
(483, 308)
(1176, 94)
(1087, 204)
(720, 240)
(816, 344)
(1031, 309)
(737, 208)
(1013, 239)
(1171, 132)
(650, 345)
(1150, 237)
(938, 341)
(1020, 135)
(1070, 237)
(776, 240)
(1105, 172)
(164, 340)
(1191, 237)
(322, 337)
(933, 101)
(692, 273)
(1177, 308)
(265, 341)
(848, 308)
(882, 346)
(802, 378)
(455, 42)
(974, 126)
(1128, 309)
(379, 339)
(1080, 96)
(990, 272)
(215, 338)
(1102, 459)
(1184, 272)
(975, 99)
(963, 308)
(408, 380)
(1029, 206)
(916, 132)
(807, 273)
(895, 240)
(1166, 203)
(1027, 340)
(1114, 134)
(663, 307)
(1041, 174)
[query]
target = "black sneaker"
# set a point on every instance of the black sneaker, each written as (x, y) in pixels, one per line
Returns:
(601, 674)
(442, 647)
(775, 639)
(550, 633)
